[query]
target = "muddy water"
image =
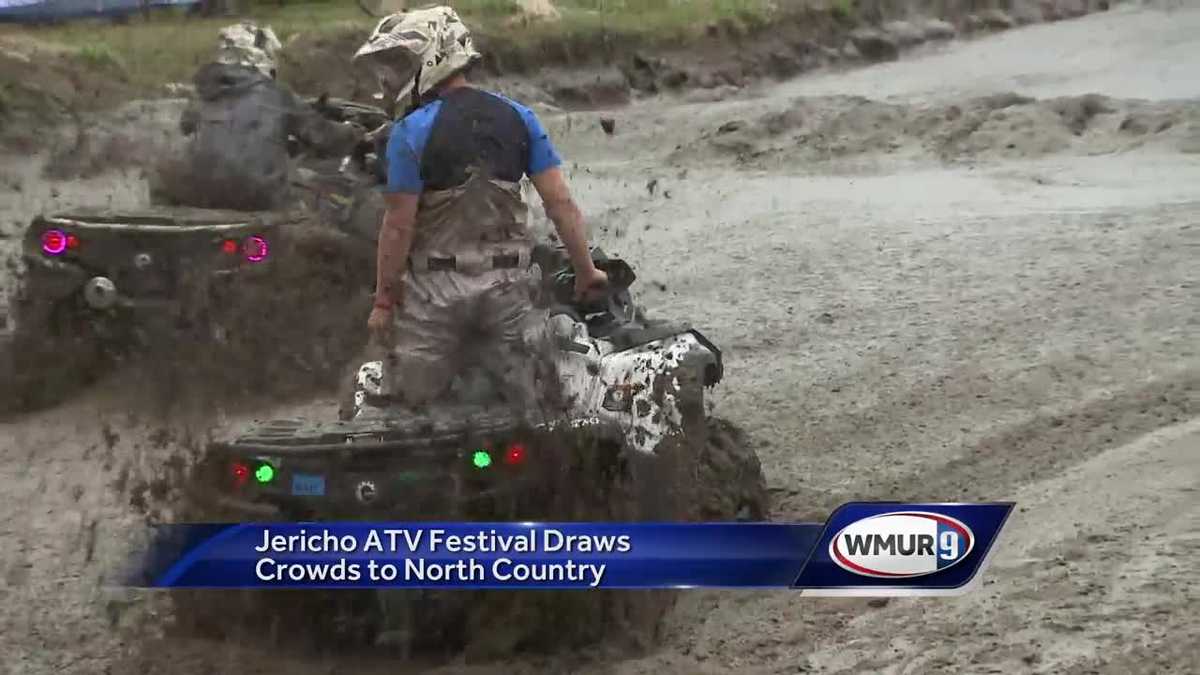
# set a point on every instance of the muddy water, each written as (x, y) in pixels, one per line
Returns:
(1007, 323)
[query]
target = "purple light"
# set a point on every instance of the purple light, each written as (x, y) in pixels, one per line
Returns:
(54, 242)
(255, 248)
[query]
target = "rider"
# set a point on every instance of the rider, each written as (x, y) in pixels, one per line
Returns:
(240, 124)
(454, 246)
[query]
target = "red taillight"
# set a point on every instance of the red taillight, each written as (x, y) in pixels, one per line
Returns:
(241, 473)
(72, 242)
(255, 248)
(515, 454)
(54, 242)
(229, 247)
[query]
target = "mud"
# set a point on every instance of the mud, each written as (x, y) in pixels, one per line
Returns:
(43, 86)
(982, 322)
(817, 130)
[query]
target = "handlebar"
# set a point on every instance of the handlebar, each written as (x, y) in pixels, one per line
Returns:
(616, 300)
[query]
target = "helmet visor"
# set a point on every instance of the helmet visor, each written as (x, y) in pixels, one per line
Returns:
(394, 75)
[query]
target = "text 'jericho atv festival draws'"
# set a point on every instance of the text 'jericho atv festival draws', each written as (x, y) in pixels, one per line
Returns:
(436, 540)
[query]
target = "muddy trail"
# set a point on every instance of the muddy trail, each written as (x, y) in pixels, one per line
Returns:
(966, 275)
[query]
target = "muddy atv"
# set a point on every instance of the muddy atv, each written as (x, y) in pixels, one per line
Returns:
(634, 388)
(634, 444)
(100, 286)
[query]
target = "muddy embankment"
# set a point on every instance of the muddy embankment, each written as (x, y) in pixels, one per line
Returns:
(43, 86)
(601, 69)
(47, 93)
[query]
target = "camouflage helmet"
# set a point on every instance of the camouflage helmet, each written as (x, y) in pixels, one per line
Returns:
(415, 51)
(245, 44)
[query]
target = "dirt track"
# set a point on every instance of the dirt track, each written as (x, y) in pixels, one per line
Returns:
(918, 319)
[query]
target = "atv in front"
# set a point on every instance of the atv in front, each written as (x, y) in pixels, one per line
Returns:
(98, 286)
(206, 299)
(634, 443)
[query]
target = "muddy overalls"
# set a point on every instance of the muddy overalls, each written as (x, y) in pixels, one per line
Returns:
(467, 300)
(468, 296)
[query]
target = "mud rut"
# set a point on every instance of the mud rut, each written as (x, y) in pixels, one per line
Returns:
(1004, 323)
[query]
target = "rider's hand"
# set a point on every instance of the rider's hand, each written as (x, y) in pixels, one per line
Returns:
(590, 284)
(379, 324)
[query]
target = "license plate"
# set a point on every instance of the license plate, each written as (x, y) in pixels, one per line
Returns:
(308, 485)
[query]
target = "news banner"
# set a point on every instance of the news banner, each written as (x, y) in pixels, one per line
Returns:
(863, 549)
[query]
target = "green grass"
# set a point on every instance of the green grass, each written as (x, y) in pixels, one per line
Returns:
(843, 10)
(100, 55)
(168, 47)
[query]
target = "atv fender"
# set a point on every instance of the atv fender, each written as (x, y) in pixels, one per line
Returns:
(645, 390)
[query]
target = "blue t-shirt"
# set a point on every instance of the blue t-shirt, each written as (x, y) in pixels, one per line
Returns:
(432, 146)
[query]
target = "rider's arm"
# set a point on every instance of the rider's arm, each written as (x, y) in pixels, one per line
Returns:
(551, 185)
(545, 170)
(395, 241)
(402, 195)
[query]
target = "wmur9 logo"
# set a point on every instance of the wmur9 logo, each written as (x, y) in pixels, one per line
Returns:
(901, 545)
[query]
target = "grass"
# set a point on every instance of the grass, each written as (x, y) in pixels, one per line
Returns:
(168, 46)
(100, 55)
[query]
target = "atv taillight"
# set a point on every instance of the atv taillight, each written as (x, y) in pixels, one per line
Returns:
(515, 454)
(241, 473)
(255, 248)
(265, 473)
(230, 247)
(482, 459)
(72, 242)
(54, 242)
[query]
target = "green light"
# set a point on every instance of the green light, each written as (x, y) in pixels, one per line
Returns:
(481, 459)
(265, 473)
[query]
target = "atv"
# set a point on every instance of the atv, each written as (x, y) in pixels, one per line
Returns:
(634, 444)
(633, 386)
(100, 286)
